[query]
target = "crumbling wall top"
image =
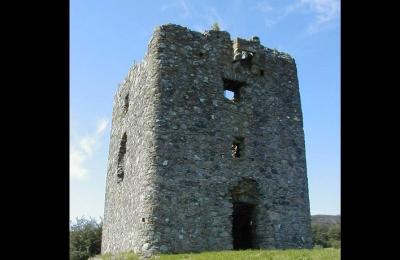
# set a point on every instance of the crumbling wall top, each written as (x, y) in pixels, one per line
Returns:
(251, 45)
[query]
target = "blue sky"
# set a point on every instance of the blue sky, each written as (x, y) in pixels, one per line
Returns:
(107, 37)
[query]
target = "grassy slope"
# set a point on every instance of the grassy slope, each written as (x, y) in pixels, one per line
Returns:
(300, 254)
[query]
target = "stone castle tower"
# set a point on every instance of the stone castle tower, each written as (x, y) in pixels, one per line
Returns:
(207, 149)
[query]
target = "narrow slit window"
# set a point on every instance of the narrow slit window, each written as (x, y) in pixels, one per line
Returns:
(237, 147)
(121, 159)
(126, 103)
(232, 89)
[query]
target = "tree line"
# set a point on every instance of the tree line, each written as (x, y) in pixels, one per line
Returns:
(326, 235)
(85, 238)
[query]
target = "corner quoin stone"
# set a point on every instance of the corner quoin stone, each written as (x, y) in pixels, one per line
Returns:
(184, 159)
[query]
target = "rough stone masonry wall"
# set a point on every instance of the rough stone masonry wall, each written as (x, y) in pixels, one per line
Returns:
(195, 129)
(182, 176)
(129, 184)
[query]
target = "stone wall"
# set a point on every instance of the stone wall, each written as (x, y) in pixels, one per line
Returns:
(180, 175)
(130, 180)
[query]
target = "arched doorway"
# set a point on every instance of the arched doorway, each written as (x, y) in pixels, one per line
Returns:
(244, 200)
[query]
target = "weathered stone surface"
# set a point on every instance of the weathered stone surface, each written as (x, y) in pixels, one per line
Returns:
(181, 183)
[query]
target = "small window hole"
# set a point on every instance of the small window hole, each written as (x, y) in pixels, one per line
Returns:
(237, 147)
(232, 89)
(229, 94)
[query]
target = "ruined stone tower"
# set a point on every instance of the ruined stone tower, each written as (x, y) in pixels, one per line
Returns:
(207, 149)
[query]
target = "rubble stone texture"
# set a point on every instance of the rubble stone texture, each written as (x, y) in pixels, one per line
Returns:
(185, 162)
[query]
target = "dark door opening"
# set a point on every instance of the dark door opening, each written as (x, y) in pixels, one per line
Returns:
(243, 225)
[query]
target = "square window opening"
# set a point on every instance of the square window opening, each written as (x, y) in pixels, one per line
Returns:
(232, 89)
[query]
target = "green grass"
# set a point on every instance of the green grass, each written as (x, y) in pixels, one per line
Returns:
(298, 254)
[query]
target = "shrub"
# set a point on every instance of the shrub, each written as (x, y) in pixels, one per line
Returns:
(84, 239)
(334, 232)
(334, 243)
(326, 235)
(215, 26)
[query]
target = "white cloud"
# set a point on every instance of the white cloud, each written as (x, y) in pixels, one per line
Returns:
(101, 126)
(202, 16)
(83, 150)
(185, 8)
(181, 5)
(265, 7)
(274, 14)
(86, 144)
(324, 12)
(76, 164)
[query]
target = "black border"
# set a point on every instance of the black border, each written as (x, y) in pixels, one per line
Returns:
(36, 183)
(365, 175)
(37, 197)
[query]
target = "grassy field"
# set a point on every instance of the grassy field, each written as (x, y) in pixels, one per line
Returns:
(300, 254)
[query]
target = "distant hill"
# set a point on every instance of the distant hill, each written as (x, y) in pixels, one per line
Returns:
(325, 219)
